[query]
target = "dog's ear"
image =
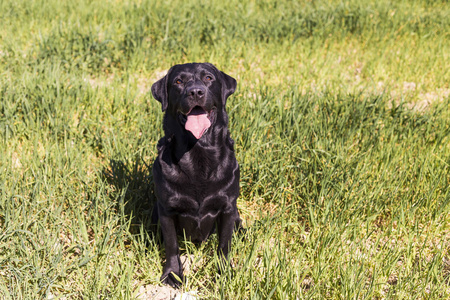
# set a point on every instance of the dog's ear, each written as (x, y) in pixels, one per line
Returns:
(229, 86)
(159, 91)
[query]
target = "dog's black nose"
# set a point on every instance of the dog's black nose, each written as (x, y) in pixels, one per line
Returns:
(196, 92)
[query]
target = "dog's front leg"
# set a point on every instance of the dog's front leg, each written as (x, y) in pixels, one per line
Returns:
(225, 226)
(173, 267)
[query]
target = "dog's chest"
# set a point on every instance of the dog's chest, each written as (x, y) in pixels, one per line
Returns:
(202, 168)
(198, 195)
(197, 187)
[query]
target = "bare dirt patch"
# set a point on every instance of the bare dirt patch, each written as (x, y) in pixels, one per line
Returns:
(156, 292)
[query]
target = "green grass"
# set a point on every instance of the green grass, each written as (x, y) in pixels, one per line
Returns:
(342, 127)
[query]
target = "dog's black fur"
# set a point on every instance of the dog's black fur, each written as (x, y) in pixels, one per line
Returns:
(196, 179)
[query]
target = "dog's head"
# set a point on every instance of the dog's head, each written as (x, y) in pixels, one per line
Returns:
(195, 95)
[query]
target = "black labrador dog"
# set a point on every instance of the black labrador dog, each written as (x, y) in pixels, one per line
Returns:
(196, 173)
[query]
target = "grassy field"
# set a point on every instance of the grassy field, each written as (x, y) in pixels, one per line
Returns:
(341, 121)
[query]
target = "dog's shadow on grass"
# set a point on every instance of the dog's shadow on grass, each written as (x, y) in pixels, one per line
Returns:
(134, 197)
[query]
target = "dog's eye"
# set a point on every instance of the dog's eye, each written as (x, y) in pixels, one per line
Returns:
(178, 81)
(208, 78)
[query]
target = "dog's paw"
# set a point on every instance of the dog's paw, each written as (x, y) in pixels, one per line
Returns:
(224, 266)
(173, 279)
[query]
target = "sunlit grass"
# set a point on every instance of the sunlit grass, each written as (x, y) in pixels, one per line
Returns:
(341, 121)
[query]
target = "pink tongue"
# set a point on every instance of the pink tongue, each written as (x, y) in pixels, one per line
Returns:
(197, 124)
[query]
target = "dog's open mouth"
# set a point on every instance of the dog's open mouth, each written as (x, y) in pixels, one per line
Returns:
(198, 121)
